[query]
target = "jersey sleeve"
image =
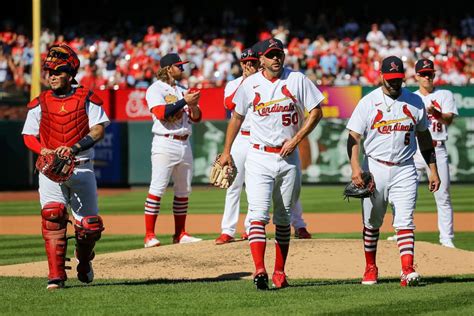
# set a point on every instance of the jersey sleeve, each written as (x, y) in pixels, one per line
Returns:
(32, 122)
(154, 97)
(97, 115)
(241, 100)
(358, 120)
(449, 105)
(311, 96)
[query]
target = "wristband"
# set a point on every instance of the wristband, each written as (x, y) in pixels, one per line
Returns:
(84, 144)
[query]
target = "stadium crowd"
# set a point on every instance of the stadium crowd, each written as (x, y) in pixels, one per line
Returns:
(348, 56)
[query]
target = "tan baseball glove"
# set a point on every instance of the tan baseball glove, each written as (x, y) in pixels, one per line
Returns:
(222, 177)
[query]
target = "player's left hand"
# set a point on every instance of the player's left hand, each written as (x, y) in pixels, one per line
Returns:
(433, 182)
(63, 150)
(288, 147)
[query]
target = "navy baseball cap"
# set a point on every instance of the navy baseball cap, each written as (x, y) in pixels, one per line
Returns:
(171, 59)
(270, 44)
(424, 65)
(248, 54)
(392, 68)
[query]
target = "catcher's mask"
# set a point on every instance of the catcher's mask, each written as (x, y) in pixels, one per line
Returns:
(62, 58)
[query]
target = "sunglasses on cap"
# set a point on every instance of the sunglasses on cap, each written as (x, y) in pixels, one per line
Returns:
(57, 54)
(429, 75)
(274, 53)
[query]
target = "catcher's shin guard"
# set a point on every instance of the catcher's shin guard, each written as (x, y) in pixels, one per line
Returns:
(88, 231)
(54, 225)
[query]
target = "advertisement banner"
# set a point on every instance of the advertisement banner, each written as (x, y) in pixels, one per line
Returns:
(340, 101)
(130, 105)
(109, 160)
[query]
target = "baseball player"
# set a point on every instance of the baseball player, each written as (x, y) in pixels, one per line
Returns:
(441, 110)
(174, 109)
(275, 100)
(389, 118)
(249, 61)
(67, 119)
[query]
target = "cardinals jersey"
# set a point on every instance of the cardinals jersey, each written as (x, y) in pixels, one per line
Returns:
(443, 101)
(388, 125)
(229, 93)
(276, 108)
(161, 93)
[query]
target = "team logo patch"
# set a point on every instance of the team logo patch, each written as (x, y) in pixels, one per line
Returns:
(170, 99)
(393, 66)
(387, 127)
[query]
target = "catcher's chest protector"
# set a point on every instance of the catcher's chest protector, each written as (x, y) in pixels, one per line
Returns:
(64, 121)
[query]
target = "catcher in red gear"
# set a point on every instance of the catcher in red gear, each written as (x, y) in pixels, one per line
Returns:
(62, 126)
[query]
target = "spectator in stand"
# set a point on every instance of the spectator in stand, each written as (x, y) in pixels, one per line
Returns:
(375, 37)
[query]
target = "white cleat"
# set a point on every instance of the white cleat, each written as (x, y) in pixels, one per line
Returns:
(186, 239)
(152, 242)
(411, 279)
(447, 244)
(392, 238)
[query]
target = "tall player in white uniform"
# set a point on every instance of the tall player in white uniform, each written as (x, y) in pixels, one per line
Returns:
(441, 112)
(249, 61)
(174, 109)
(389, 118)
(275, 99)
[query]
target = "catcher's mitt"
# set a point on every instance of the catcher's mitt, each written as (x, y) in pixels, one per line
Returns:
(222, 177)
(57, 168)
(366, 191)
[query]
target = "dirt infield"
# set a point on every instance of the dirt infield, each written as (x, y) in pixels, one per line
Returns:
(313, 259)
(210, 223)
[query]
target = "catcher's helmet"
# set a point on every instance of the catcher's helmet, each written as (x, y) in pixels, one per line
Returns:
(61, 57)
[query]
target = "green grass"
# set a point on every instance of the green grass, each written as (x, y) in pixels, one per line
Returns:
(28, 248)
(208, 200)
(436, 296)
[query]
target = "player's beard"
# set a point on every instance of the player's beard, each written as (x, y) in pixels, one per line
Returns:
(393, 89)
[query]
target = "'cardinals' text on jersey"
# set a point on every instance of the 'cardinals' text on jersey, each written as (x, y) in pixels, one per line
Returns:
(281, 103)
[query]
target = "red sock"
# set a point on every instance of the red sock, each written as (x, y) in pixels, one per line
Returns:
(282, 244)
(258, 243)
(180, 210)
(371, 237)
(406, 245)
(152, 209)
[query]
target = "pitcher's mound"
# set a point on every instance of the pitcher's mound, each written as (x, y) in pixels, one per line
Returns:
(311, 259)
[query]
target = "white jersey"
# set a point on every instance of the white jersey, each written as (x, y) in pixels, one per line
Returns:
(445, 99)
(229, 90)
(161, 93)
(276, 107)
(388, 125)
(95, 113)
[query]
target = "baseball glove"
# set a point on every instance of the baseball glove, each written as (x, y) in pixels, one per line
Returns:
(366, 191)
(57, 168)
(222, 177)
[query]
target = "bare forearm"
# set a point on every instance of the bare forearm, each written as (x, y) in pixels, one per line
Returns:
(309, 124)
(232, 130)
(195, 113)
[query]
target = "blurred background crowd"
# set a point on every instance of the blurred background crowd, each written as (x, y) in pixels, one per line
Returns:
(331, 48)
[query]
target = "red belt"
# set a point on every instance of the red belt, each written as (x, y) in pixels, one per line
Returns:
(178, 137)
(245, 133)
(438, 143)
(268, 149)
(388, 163)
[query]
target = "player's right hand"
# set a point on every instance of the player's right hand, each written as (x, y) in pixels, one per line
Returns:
(46, 151)
(192, 98)
(225, 159)
(357, 178)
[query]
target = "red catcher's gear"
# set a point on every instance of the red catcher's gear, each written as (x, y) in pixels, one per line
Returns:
(54, 224)
(64, 121)
(62, 58)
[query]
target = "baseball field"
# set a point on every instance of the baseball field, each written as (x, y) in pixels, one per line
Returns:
(205, 279)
